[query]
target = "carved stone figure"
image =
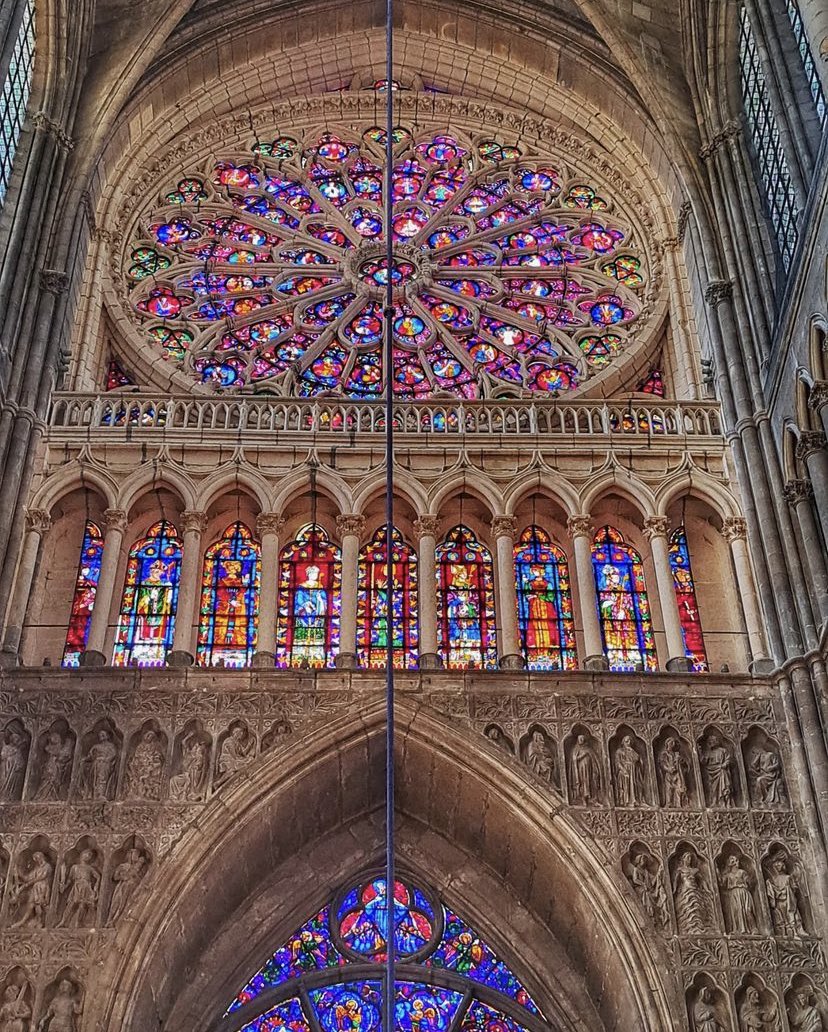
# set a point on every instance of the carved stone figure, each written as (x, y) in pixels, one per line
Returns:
(737, 898)
(584, 773)
(497, 736)
(56, 766)
(540, 757)
(12, 764)
(766, 777)
(649, 888)
(100, 765)
(236, 751)
(629, 780)
(717, 761)
(753, 1017)
(690, 896)
(783, 892)
(802, 1012)
(146, 767)
(704, 1012)
(672, 767)
(32, 891)
(14, 1011)
(62, 1012)
(190, 782)
(277, 735)
(126, 877)
(82, 883)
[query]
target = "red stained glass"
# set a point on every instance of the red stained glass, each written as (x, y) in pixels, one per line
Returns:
(547, 629)
(466, 602)
(83, 600)
(372, 603)
(310, 577)
(623, 606)
(229, 600)
(688, 607)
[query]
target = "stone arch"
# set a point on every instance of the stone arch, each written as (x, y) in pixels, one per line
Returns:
(622, 970)
(241, 477)
(464, 482)
(697, 484)
(147, 478)
(65, 481)
(556, 489)
(614, 481)
(404, 485)
(327, 483)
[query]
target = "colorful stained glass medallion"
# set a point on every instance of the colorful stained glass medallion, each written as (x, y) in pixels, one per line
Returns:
(373, 603)
(363, 917)
(547, 628)
(310, 577)
(623, 606)
(537, 256)
(465, 592)
(229, 600)
(83, 600)
(688, 606)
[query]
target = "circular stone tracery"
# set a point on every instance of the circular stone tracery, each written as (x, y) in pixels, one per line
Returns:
(510, 273)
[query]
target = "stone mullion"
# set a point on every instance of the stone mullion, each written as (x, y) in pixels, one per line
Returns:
(116, 525)
(504, 529)
(655, 529)
(38, 523)
(734, 531)
(269, 526)
(350, 528)
(811, 450)
(798, 494)
(426, 528)
(580, 528)
(185, 630)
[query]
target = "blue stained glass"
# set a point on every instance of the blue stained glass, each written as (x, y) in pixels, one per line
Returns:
(350, 1007)
(482, 1018)
(287, 1016)
(86, 587)
(362, 924)
(424, 1008)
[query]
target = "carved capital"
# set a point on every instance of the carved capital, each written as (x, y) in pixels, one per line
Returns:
(269, 523)
(580, 525)
(53, 281)
(427, 525)
(115, 519)
(656, 526)
(729, 131)
(810, 441)
(504, 526)
(350, 524)
(43, 124)
(193, 521)
(797, 491)
(38, 520)
(734, 527)
(717, 291)
(819, 395)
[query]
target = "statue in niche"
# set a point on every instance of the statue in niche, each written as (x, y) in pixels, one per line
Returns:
(673, 775)
(629, 780)
(146, 767)
(14, 1011)
(690, 896)
(717, 761)
(63, 1011)
(236, 751)
(497, 736)
(802, 1012)
(190, 782)
(753, 1017)
(540, 756)
(649, 888)
(12, 764)
(100, 767)
(584, 773)
(32, 891)
(783, 891)
(765, 772)
(126, 877)
(82, 883)
(737, 898)
(704, 1012)
(56, 767)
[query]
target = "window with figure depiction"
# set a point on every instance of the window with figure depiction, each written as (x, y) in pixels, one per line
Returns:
(229, 600)
(623, 607)
(547, 630)
(448, 977)
(688, 607)
(372, 603)
(310, 577)
(465, 600)
(86, 587)
(147, 616)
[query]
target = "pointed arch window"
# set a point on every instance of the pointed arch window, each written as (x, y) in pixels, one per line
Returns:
(310, 581)
(14, 95)
(623, 607)
(147, 616)
(465, 590)
(547, 630)
(372, 603)
(229, 599)
(449, 977)
(688, 607)
(83, 599)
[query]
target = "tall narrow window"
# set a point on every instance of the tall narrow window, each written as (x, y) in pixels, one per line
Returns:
(808, 67)
(86, 587)
(372, 603)
(465, 588)
(146, 622)
(623, 607)
(15, 94)
(688, 607)
(229, 600)
(547, 631)
(310, 577)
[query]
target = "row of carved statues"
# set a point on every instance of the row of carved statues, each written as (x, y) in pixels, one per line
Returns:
(59, 1011)
(669, 772)
(755, 1006)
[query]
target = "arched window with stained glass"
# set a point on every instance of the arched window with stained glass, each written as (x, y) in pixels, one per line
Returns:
(310, 579)
(465, 591)
(229, 599)
(547, 630)
(147, 616)
(372, 603)
(83, 599)
(688, 607)
(623, 606)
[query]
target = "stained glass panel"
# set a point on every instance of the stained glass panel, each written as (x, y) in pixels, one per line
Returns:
(229, 600)
(147, 615)
(372, 603)
(310, 576)
(348, 1007)
(652, 384)
(287, 1017)
(623, 607)
(363, 917)
(14, 93)
(482, 1018)
(116, 377)
(86, 587)
(688, 607)
(465, 593)
(547, 629)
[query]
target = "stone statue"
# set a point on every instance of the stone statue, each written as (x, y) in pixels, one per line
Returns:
(33, 890)
(12, 764)
(63, 1010)
(704, 1012)
(650, 890)
(802, 1012)
(673, 777)
(56, 766)
(717, 761)
(737, 899)
(629, 781)
(236, 750)
(14, 1011)
(83, 882)
(540, 757)
(690, 896)
(277, 735)
(101, 763)
(190, 782)
(584, 773)
(499, 738)
(753, 1018)
(783, 892)
(765, 772)
(126, 877)
(146, 767)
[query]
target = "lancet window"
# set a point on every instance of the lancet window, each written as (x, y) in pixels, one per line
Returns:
(373, 603)
(808, 67)
(16, 88)
(465, 591)
(229, 599)
(688, 607)
(83, 599)
(310, 579)
(623, 607)
(547, 629)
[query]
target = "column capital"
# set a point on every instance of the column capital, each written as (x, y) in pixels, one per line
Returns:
(269, 523)
(115, 519)
(810, 441)
(193, 521)
(734, 528)
(718, 291)
(819, 395)
(797, 491)
(350, 524)
(38, 520)
(504, 526)
(53, 281)
(580, 525)
(656, 526)
(427, 525)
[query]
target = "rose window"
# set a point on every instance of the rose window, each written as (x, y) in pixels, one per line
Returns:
(510, 272)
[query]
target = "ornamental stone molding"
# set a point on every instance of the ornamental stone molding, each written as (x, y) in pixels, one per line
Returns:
(53, 281)
(729, 131)
(427, 525)
(797, 491)
(115, 519)
(580, 525)
(819, 395)
(269, 523)
(38, 520)
(810, 442)
(734, 528)
(350, 525)
(42, 123)
(505, 526)
(718, 291)
(656, 526)
(193, 521)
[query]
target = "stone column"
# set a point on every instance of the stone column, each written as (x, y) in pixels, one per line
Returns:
(115, 522)
(580, 527)
(655, 530)
(38, 523)
(798, 494)
(811, 450)
(734, 530)
(350, 528)
(504, 529)
(269, 525)
(185, 632)
(426, 528)
(818, 401)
